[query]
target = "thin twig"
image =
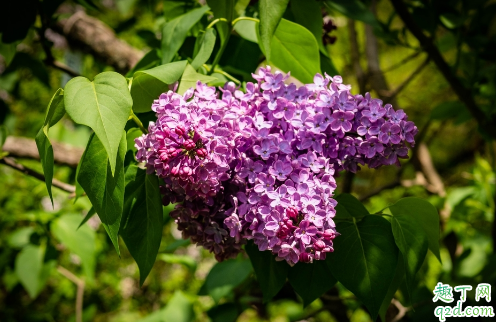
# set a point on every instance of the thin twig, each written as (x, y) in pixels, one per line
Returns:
(402, 62)
(390, 95)
(62, 67)
(355, 56)
(9, 161)
(80, 291)
(401, 310)
(49, 59)
(464, 94)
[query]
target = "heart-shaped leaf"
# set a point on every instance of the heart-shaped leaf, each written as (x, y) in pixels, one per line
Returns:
(104, 105)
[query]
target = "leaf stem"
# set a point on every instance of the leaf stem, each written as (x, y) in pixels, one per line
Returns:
(216, 21)
(244, 18)
(138, 122)
(221, 50)
(237, 81)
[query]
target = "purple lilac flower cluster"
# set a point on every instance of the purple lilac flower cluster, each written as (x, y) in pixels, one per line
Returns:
(260, 164)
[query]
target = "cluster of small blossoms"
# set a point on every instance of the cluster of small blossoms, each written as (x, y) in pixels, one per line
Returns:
(260, 164)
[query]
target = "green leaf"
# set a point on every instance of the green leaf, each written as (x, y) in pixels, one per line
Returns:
(79, 189)
(143, 218)
(190, 77)
(206, 49)
(309, 14)
(348, 207)
(8, 52)
(412, 242)
(247, 29)
(425, 214)
(364, 257)
(452, 20)
(104, 105)
(150, 60)
(45, 150)
(451, 110)
(271, 274)
(131, 135)
(147, 85)
(225, 276)
(106, 192)
(54, 113)
(327, 66)
(79, 240)
(295, 49)
(399, 275)
(222, 9)
(271, 12)
(3, 136)
(354, 9)
(20, 237)
(311, 280)
(174, 32)
(88, 216)
(185, 260)
(178, 309)
(31, 271)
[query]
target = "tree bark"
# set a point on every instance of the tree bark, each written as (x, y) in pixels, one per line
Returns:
(21, 147)
(95, 37)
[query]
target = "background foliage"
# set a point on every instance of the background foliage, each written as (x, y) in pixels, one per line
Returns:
(435, 59)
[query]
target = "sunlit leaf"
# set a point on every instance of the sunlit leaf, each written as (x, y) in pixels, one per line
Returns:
(104, 105)
(308, 13)
(271, 12)
(206, 49)
(174, 32)
(294, 49)
(222, 9)
(190, 78)
(147, 85)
